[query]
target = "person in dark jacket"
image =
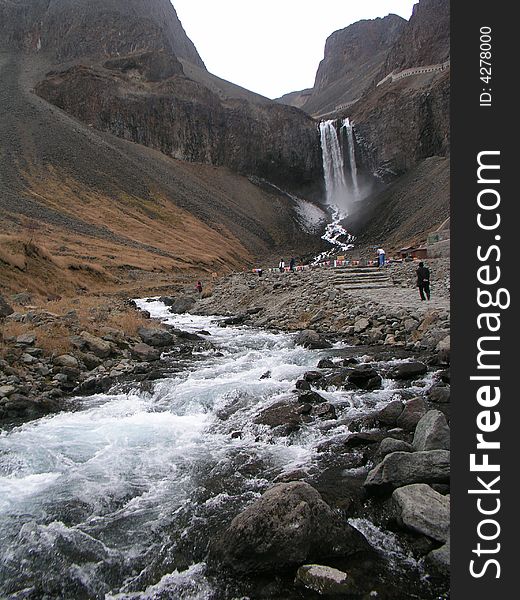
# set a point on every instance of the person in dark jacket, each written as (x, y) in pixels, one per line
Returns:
(423, 281)
(292, 264)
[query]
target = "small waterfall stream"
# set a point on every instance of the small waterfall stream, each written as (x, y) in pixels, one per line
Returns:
(347, 126)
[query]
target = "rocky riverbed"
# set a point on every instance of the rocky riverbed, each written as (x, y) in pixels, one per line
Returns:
(296, 446)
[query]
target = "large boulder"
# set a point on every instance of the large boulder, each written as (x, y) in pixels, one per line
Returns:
(423, 510)
(432, 432)
(439, 559)
(284, 413)
(390, 445)
(390, 413)
(404, 468)
(440, 394)
(288, 526)
(365, 377)
(412, 413)
(407, 370)
(182, 305)
(144, 353)
(311, 339)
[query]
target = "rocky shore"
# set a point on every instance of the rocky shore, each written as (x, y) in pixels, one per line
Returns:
(398, 457)
(49, 356)
(385, 310)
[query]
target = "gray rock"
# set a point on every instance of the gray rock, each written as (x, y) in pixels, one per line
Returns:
(439, 560)
(365, 377)
(423, 510)
(325, 581)
(389, 445)
(413, 412)
(182, 305)
(144, 353)
(7, 390)
(288, 526)
(158, 338)
(66, 360)
(432, 432)
(282, 413)
(361, 325)
(26, 339)
(390, 413)
(96, 345)
(5, 309)
(403, 468)
(408, 370)
(311, 339)
(439, 394)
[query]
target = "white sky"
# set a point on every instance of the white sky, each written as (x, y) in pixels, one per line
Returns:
(274, 46)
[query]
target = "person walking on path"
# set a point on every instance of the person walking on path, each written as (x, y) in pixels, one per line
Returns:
(381, 255)
(198, 287)
(423, 281)
(281, 266)
(292, 264)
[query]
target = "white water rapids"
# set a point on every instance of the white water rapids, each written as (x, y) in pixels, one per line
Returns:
(119, 498)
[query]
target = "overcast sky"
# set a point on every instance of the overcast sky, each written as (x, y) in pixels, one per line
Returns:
(273, 46)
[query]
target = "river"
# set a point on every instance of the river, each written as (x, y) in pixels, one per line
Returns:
(118, 498)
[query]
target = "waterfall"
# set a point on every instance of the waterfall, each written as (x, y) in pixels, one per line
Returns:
(352, 155)
(338, 195)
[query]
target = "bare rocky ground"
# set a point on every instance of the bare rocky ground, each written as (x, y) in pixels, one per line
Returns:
(363, 306)
(51, 354)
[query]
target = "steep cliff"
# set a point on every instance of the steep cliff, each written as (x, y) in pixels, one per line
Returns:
(424, 41)
(71, 29)
(186, 120)
(127, 67)
(401, 121)
(353, 57)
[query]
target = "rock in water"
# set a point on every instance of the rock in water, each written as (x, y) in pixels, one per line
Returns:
(182, 305)
(423, 510)
(439, 559)
(404, 468)
(311, 339)
(325, 580)
(408, 370)
(289, 525)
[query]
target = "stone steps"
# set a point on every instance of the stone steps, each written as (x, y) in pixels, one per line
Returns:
(365, 286)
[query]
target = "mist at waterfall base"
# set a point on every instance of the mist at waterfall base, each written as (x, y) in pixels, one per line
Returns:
(119, 498)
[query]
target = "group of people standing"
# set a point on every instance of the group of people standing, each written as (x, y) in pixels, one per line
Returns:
(292, 265)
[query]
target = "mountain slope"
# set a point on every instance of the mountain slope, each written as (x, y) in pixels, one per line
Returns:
(128, 68)
(111, 211)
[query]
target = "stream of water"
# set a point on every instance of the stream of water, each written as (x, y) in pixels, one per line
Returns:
(119, 498)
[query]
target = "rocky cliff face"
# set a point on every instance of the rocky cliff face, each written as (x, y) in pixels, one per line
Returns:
(146, 98)
(127, 67)
(400, 123)
(71, 29)
(353, 56)
(425, 40)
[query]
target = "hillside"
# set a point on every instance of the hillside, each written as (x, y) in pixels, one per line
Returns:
(110, 213)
